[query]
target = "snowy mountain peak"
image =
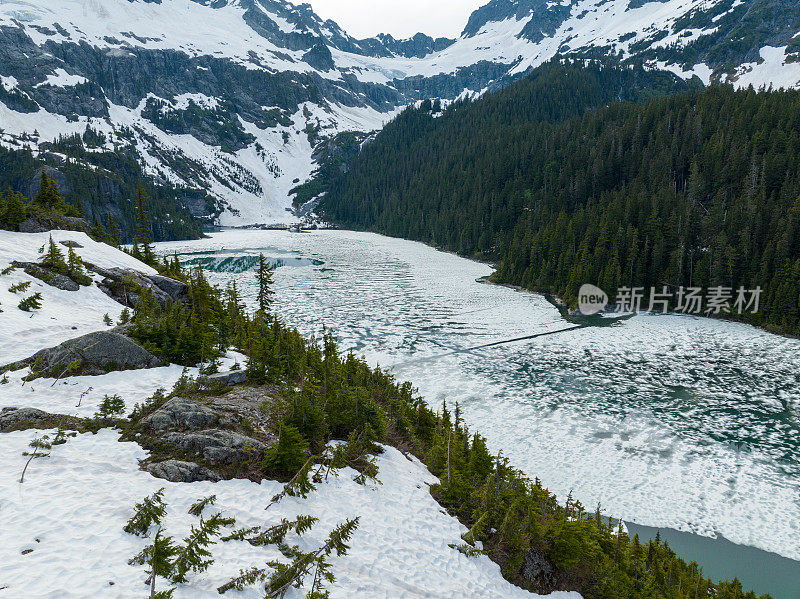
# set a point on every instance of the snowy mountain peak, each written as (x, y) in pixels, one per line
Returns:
(228, 98)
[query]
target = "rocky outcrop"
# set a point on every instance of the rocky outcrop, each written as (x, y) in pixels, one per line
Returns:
(217, 446)
(177, 471)
(16, 419)
(230, 378)
(537, 571)
(206, 437)
(125, 286)
(54, 279)
(42, 225)
(183, 413)
(92, 354)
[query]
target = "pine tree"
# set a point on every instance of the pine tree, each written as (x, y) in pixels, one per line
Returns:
(75, 269)
(114, 234)
(143, 238)
(148, 512)
(158, 557)
(33, 302)
(53, 258)
(15, 211)
(49, 196)
(289, 453)
(264, 277)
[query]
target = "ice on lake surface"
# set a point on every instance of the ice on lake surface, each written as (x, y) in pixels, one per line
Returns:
(669, 421)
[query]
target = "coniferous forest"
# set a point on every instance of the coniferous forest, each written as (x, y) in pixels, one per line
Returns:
(695, 188)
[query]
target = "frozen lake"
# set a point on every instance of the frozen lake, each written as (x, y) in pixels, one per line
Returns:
(667, 421)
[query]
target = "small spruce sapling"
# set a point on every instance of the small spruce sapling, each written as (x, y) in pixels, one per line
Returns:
(30, 303)
(20, 287)
(282, 576)
(163, 556)
(147, 513)
(111, 407)
(107, 320)
(198, 506)
(158, 556)
(53, 258)
(299, 486)
(41, 449)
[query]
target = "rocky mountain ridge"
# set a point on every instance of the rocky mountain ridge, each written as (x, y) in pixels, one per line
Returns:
(225, 101)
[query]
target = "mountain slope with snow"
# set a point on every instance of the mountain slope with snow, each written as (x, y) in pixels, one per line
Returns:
(63, 527)
(228, 99)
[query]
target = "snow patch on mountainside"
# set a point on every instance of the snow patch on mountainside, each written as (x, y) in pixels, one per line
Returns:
(63, 527)
(63, 532)
(64, 314)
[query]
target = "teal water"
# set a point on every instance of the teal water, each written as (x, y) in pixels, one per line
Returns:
(759, 570)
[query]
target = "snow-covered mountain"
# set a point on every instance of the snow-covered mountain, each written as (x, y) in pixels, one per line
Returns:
(230, 97)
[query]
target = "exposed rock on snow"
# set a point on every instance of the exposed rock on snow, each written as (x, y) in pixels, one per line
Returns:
(16, 419)
(179, 412)
(231, 378)
(216, 445)
(95, 354)
(53, 279)
(219, 431)
(177, 471)
(124, 285)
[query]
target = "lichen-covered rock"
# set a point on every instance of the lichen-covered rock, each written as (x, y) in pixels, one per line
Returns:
(230, 378)
(92, 354)
(54, 279)
(14, 419)
(216, 445)
(124, 285)
(183, 413)
(178, 471)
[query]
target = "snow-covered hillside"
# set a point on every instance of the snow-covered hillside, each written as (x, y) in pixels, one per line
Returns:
(230, 98)
(62, 529)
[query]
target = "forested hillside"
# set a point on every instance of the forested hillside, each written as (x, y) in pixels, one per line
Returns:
(695, 189)
(101, 185)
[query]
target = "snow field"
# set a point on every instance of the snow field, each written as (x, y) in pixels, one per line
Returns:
(73, 505)
(64, 314)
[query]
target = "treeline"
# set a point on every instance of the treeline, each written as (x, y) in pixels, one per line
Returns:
(100, 185)
(696, 189)
(320, 394)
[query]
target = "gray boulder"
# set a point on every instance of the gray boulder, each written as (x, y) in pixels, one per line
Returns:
(177, 290)
(178, 471)
(230, 378)
(182, 413)
(54, 279)
(537, 571)
(93, 354)
(124, 285)
(215, 445)
(14, 419)
(42, 225)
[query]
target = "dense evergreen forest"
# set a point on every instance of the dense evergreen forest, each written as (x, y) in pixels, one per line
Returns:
(101, 186)
(695, 189)
(319, 394)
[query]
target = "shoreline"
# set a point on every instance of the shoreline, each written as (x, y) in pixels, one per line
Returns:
(757, 569)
